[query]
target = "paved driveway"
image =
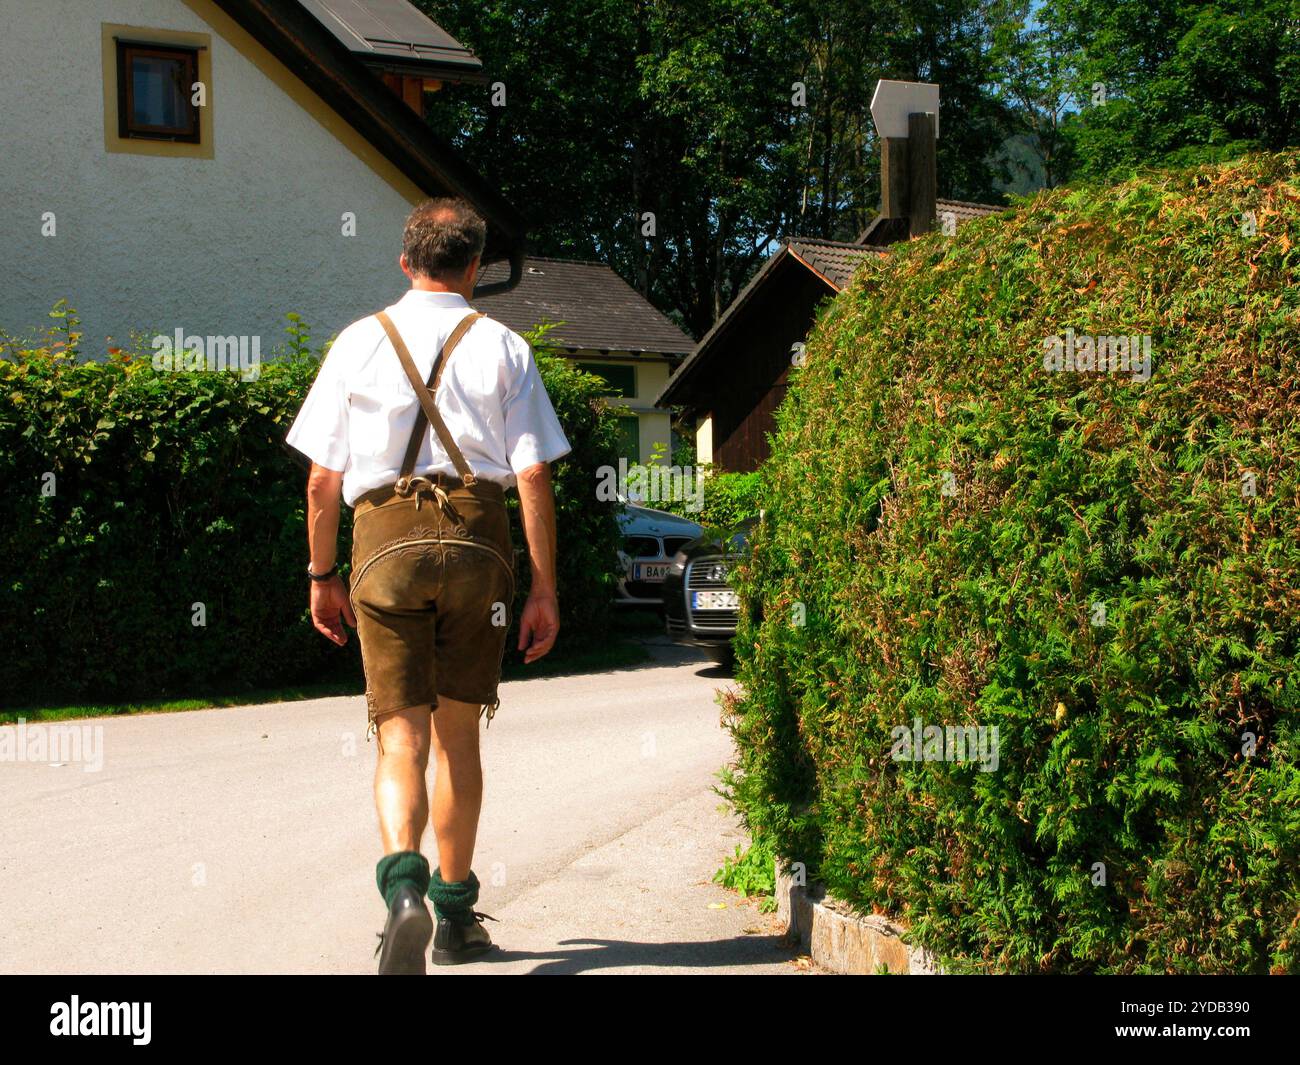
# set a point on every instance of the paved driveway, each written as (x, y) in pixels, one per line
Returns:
(244, 840)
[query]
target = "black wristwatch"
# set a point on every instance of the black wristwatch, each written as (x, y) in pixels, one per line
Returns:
(322, 576)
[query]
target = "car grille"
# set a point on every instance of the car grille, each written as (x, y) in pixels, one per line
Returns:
(709, 575)
(641, 546)
(673, 544)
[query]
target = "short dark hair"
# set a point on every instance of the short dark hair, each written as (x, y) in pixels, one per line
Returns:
(442, 237)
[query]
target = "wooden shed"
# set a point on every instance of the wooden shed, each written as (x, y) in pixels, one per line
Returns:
(730, 386)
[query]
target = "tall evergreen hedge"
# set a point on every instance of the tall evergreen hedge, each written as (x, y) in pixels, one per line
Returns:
(171, 489)
(728, 499)
(1106, 570)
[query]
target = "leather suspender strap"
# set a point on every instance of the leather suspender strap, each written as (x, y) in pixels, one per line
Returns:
(421, 420)
(426, 393)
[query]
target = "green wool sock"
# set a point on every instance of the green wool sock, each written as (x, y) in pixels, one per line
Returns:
(454, 901)
(404, 867)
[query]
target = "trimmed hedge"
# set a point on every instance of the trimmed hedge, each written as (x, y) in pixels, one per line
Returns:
(172, 489)
(729, 498)
(951, 515)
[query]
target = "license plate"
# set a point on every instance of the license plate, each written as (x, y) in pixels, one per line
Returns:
(650, 572)
(717, 600)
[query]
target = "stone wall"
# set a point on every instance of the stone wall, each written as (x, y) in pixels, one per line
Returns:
(838, 939)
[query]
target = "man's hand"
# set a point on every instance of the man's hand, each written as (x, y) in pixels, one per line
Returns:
(539, 624)
(329, 602)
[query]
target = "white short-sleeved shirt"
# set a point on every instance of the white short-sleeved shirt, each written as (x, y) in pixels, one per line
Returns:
(360, 411)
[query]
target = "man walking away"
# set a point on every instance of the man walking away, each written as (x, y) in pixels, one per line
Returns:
(432, 562)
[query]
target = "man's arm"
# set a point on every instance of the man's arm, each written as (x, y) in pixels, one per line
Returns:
(540, 622)
(329, 599)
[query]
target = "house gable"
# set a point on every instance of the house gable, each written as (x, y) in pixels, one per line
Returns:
(316, 55)
(297, 206)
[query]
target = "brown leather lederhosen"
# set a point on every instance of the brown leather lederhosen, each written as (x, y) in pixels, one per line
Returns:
(432, 586)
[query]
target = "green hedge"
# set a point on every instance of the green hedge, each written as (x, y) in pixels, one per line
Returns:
(588, 567)
(172, 489)
(729, 498)
(945, 517)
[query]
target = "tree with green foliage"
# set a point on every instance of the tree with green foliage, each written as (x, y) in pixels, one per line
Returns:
(1173, 82)
(732, 122)
(735, 122)
(1036, 79)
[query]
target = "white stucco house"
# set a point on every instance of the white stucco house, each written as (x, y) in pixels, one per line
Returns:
(210, 165)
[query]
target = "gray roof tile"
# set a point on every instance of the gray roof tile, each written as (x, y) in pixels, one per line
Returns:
(598, 308)
(887, 231)
(833, 259)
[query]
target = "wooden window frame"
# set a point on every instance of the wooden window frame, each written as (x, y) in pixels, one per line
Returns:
(127, 50)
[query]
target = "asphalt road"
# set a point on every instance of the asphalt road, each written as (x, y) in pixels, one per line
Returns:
(244, 840)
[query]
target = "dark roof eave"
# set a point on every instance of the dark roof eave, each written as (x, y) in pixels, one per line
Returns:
(795, 249)
(297, 39)
(669, 396)
(631, 351)
(449, 70)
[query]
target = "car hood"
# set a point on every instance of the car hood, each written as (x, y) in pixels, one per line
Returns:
(643, 521)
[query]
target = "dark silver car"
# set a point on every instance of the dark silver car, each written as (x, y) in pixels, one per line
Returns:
(701, 607)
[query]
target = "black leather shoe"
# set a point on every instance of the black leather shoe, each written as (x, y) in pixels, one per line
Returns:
(406, 935)
(456, 942)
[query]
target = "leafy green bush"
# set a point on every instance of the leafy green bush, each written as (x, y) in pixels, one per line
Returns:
(1105, 570)
(133, 494)
(587, 563)
(729, 498)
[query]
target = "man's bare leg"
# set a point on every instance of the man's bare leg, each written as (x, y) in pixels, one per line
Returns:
(403, 807)
(401, 798)
(458, 787)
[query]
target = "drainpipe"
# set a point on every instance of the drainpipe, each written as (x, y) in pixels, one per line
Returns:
(516, 272)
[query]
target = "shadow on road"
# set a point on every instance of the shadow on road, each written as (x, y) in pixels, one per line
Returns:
(590, 955)
(662, 652)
